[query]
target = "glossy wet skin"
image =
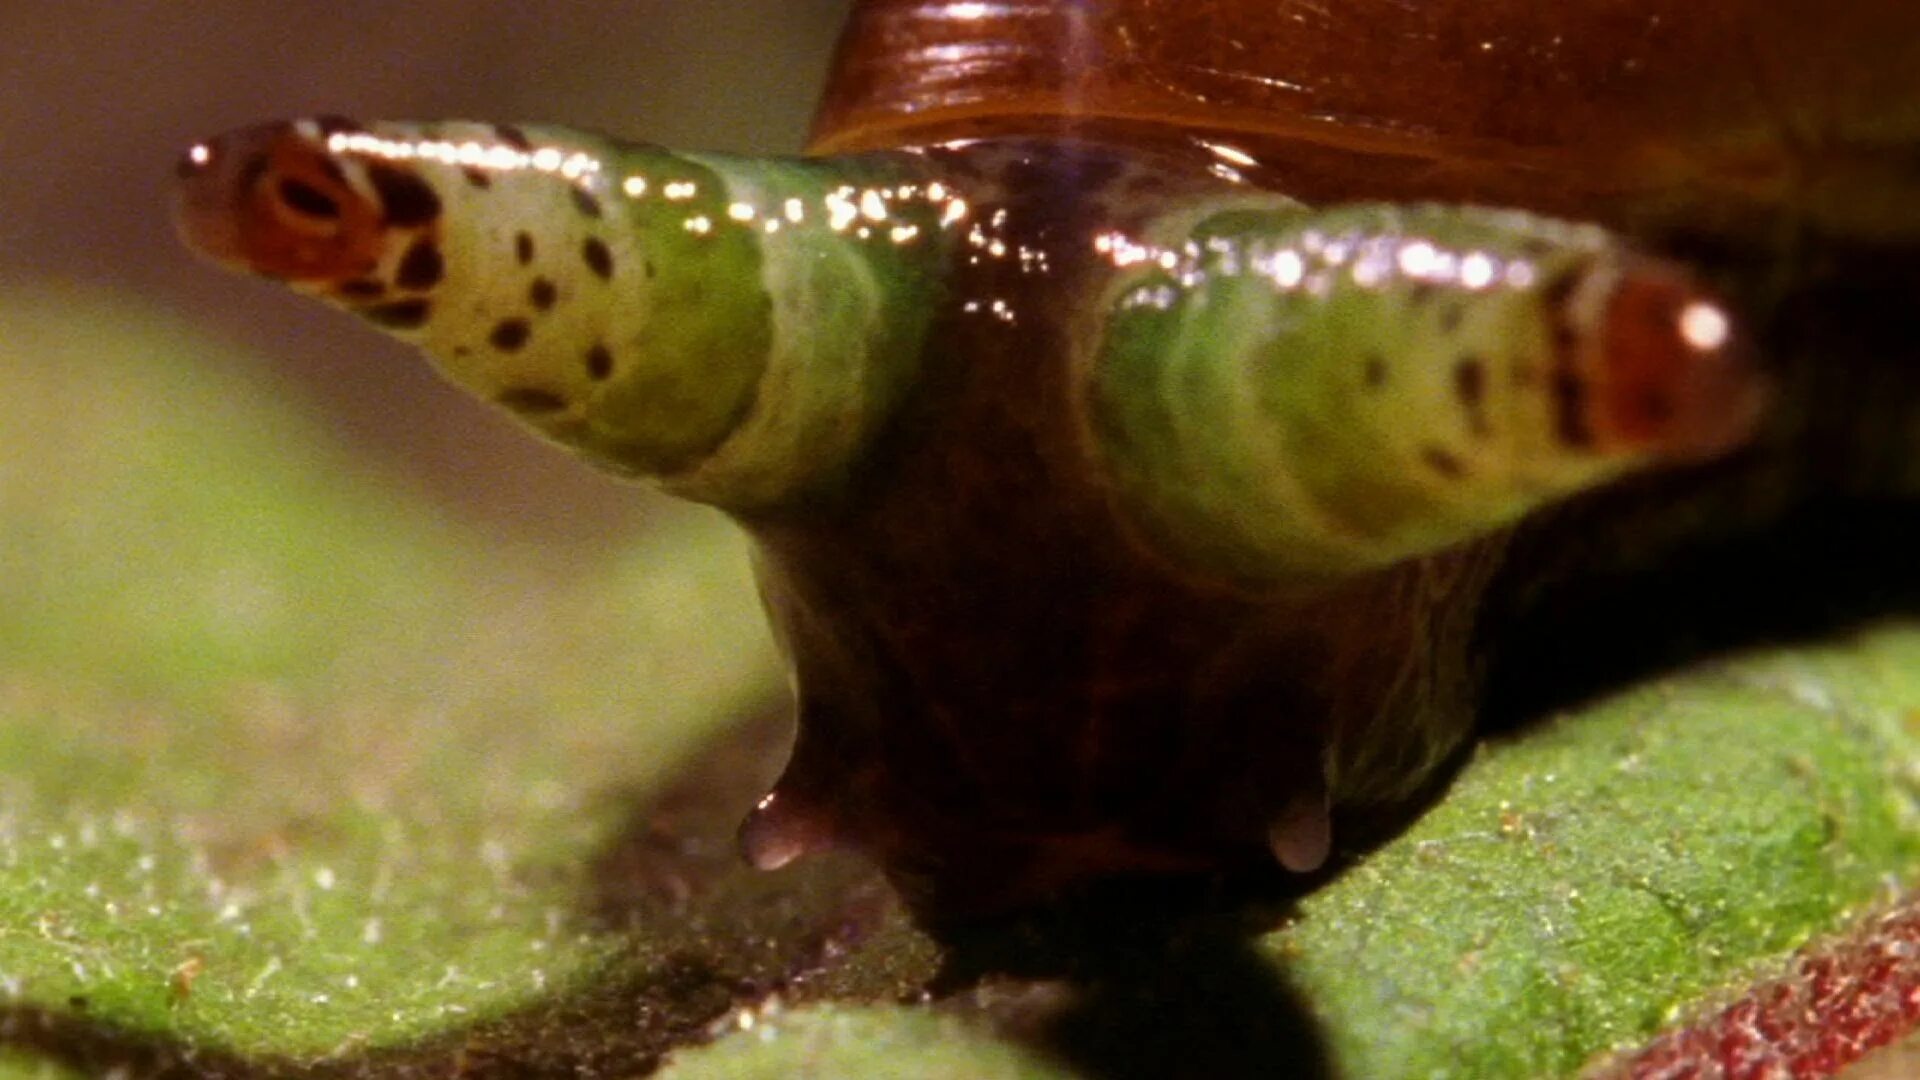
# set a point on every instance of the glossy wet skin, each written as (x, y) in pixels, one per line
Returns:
(1021, 662)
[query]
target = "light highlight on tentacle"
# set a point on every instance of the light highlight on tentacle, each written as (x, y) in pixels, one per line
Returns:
(1282, 393)
(734, 328)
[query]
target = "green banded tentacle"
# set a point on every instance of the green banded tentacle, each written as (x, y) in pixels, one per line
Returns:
(734, 328)
(1280, 392)
(850, 274)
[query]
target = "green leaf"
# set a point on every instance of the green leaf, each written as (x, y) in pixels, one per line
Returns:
(1584, 885)
(289, 763)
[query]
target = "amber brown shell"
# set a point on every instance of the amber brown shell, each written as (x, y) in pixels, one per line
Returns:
(1607, 108)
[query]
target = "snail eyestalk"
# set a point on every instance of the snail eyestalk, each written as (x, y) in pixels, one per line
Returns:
(715, 323)
(1287, 393)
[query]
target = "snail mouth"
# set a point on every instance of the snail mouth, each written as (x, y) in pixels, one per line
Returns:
(272, 200)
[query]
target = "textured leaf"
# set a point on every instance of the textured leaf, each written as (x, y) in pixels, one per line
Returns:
(1585, 884)
(287, 765)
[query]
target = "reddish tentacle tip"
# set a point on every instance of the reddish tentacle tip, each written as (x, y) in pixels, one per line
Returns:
(1679, 380)
(782, 828)
(272, 200)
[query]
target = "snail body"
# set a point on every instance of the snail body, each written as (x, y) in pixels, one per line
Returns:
(1118, 515)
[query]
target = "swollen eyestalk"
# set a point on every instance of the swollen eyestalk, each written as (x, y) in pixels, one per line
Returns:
(733, 328)
(1292, 393)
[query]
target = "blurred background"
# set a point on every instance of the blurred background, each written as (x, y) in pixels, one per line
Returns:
(96, 100)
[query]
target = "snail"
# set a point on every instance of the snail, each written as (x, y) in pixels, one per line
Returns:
(1136, 419)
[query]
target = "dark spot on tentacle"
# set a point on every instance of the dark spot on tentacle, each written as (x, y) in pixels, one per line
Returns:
(307, 199)
(1554, 293)
(599, 258)
(1567, 384)
(407, 199)
(532, 401)
(333, 124)
(584, 200)
(599, 362)
(541, 294)
(523, 247)
(477, 176)
(1470, 386)
(361, 289)
(508, 335)
(1443, 462)
(1376, 372)
(1566, 339)
(399, 315)
(651, 271)
(1450, 317)
(1570, 408)
(421, 267)
(513, 137)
